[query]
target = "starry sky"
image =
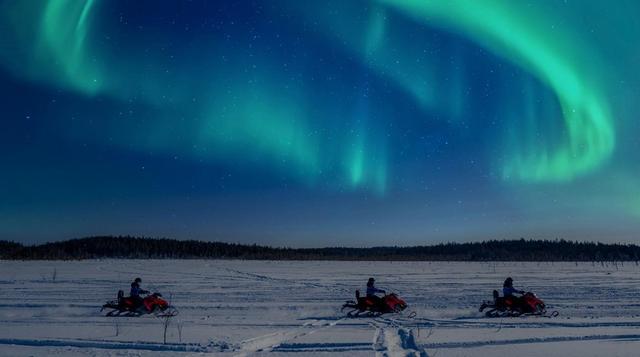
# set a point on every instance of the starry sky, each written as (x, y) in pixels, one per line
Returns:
(317, 123)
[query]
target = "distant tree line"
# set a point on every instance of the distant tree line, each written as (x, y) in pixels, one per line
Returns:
(154, 248)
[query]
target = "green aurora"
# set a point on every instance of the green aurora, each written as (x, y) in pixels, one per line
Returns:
(332, 122)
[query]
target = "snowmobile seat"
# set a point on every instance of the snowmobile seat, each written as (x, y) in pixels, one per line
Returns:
(501, 302)
(367, 303)
(125, 302)
(362, 301)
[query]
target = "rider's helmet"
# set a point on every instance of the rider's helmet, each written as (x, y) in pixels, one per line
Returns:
(508, 282)
(371, 281)
(137, 280)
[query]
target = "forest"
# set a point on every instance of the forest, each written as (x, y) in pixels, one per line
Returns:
(127, 247)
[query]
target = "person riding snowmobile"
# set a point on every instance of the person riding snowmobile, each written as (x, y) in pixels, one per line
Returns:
(372, 291)
(508, 290)
(136, 290)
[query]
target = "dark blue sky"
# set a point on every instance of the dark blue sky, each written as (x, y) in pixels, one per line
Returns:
(322, 123)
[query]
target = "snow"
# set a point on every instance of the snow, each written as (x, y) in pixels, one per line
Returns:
(267, 308)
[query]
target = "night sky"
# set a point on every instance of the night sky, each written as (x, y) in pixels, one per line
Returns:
(315, 123)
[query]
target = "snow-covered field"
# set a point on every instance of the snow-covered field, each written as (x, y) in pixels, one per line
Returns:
(269, 308)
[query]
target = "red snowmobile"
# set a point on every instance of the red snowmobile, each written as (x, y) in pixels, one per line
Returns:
(128, 306)
(510, 306)
(386, 304)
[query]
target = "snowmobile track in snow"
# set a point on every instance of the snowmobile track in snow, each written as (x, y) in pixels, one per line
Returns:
(101, 344)
(271, 341)
(473, 344)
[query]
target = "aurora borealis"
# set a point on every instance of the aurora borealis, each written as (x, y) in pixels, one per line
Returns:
(320, 123)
